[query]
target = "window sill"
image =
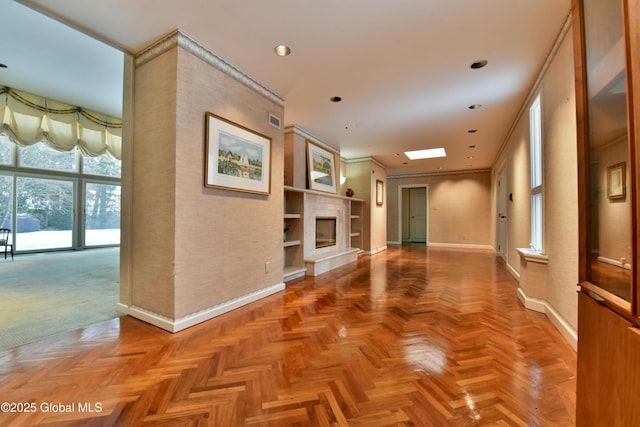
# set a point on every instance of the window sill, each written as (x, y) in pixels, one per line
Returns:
(532, 256)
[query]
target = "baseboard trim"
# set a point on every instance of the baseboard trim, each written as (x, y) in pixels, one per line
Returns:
(513, 272)
(614, 262)
(376, 250)
(542, 306)
(460, 246)
(176, 325)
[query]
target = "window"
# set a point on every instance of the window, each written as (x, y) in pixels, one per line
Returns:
(535, 143)
(102, 214)
(39, 156)
(44, 215)
(6, 151)
(58, 199)
(103, 165)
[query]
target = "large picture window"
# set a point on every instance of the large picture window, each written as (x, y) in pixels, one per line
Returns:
(44, 216)
(58, 199)
(102, 214)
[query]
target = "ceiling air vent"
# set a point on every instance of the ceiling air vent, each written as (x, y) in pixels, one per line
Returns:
(274, 121)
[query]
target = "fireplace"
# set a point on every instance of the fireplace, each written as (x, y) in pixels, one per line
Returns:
(325, 231)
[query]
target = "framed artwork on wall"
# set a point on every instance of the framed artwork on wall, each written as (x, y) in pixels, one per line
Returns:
(379, 192)
(236, 158)
(321, 168)
(616, 181)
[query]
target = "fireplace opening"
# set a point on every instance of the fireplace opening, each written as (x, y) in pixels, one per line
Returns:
(325, 231)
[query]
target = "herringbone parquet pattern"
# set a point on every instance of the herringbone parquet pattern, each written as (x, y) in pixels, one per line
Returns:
(409, 337)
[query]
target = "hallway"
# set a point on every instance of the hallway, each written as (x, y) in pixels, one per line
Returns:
(410, 336)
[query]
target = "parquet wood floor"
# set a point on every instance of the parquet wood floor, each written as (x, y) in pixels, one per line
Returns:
(412, 336)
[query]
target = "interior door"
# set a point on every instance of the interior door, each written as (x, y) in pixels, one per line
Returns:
(418, 214)
(502, 215)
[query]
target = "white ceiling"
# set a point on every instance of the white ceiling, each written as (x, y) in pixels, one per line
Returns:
(402, 67)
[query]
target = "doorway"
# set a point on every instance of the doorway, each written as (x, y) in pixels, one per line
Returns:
(414, 221)
(501, 227)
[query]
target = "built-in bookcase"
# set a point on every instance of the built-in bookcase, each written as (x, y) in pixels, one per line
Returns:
(301, 207)
(293, 235)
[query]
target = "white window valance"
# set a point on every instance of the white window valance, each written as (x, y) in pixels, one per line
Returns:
(28, 119)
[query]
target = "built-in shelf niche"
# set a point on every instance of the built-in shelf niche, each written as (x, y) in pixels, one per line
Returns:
(301, 208)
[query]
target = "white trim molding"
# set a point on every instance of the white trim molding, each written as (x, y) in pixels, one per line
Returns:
(295, 129)
(542, 306)
(183, 40)
(375, 251)
(461, 246)
(533, 256)
(184, 322)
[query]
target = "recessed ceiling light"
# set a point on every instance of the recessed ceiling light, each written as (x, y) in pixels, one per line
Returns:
(396, 154)
(472, 130)
(335, 99)
(430, 153)
(469, 157)
(282, 50)
(472, 146)
(479, 63)
(475, 106)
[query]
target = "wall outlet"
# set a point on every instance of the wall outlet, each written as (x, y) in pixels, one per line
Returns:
(267, 264)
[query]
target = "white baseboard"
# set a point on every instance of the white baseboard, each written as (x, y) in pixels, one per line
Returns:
(375, 251)
(542, 306)
(176, 325)
(513, 272)
(614, 262)
(460, 246)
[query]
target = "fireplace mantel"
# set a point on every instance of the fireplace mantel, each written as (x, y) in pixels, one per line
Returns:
(302, 207)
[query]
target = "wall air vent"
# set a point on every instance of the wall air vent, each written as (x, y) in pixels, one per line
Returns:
(274, 121)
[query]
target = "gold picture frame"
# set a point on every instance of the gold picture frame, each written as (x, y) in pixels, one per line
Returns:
(379, 192)
(236, 157)
(616, 181)
(321, 168)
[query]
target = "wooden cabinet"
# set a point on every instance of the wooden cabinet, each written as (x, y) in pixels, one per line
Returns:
(607, 58)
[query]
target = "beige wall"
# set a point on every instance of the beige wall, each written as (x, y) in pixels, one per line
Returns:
(459, 208)
(551, 286)
(295, 159)
(361, 176)
(154, 177)
(194, 247)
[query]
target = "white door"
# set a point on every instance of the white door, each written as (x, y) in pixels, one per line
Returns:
(502, 216)
(418, 214)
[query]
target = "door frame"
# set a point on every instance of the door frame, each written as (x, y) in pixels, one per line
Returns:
(502, 240)
(401, 213)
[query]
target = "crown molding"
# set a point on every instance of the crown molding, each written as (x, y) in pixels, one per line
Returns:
(364, 160)
(420, 175)
(179, 38)
(303, 133)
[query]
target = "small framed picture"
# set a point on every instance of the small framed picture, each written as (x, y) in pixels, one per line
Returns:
(379, 192)
(616, 181)
(321, 167)
(236, 158)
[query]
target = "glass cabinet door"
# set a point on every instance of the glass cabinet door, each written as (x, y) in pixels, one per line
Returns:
(609, 199)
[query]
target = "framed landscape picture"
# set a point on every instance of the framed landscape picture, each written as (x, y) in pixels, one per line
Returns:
(321, 166)
(236, 158)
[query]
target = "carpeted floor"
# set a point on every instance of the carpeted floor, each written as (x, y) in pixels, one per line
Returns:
(50, 293)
